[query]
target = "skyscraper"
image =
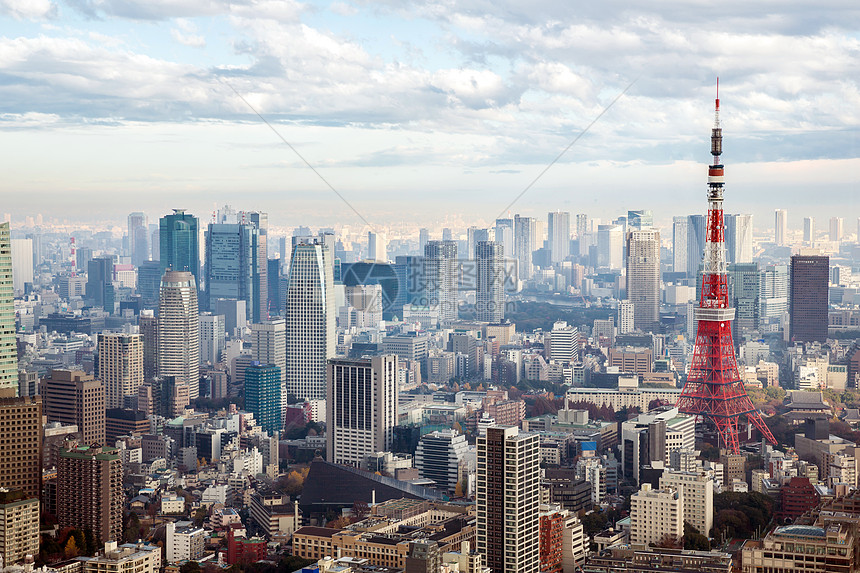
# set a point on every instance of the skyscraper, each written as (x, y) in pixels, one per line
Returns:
(8, 344)
(212, 337)
(120, 366)
(269, 346)
(525, 239)
(232, 269)
(361, 408)
(643, 277)
(376, 247)
(261, 287)
(22, 264)
(695, 244)
(610, 246)
(507, 497)
(808, 230)
(178, 243)
(263, 396)
(559, 235)
(441, 278)
(581, 225)
(148, 282)
(89, 491)
(679, 244)
(780, 226)
(310, 320)
(21, 448)
(147, 325)
(739, 231)
(626, 318)
(640, 219)
(836, 225)
(179, 330)
(138, 238)
(810, 276)
(423, 239)
(490, 281)
(75, 397)
(505, 236)
(100, 291)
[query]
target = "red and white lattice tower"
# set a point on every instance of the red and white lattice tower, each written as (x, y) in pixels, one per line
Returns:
(714, 388)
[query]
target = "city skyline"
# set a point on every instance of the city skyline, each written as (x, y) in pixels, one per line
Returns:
(429, 109)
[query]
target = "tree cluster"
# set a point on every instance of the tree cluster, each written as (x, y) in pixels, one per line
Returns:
(741, 515)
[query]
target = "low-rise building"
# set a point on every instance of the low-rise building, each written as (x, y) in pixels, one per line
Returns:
(184, 542)
(129, 557)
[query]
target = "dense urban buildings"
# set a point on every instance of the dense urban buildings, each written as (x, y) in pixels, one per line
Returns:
(810, 277)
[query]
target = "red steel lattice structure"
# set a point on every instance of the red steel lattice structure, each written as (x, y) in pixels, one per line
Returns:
(714, 389)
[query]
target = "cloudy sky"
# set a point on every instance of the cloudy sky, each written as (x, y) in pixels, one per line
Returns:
(426, 111)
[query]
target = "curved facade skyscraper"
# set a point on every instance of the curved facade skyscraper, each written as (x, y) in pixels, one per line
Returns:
(179, 330)
(310, 317)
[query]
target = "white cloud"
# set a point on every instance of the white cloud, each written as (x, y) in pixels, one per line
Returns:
(28, 9)
(186, 34)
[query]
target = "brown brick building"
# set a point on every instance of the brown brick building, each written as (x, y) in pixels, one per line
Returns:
(21, 446)
(89, 491)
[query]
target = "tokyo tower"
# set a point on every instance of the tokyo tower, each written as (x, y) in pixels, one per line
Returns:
(714, 389)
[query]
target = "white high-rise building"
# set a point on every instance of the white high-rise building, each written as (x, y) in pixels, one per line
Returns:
(179, 330)
(593, 471)
(738, 236)
(525, 243)
(138, 238)
(808, 230)
(558, 235)
(507, 500)
(439, 457)
(563, 342)
(780, 226)
(376, 247)
(643, 277)
(656, 515)
(697, 490)
(212, 337)
(610, 246)
(361, 409)
(490, 281)
(679, 244)
(22, 263)
(626, 319)
(310, 319)
(836, 226)
(441, 278)
(120, 366)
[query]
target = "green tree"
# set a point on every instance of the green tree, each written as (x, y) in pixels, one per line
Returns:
(190, 567)
(91, 543)
(693, 540)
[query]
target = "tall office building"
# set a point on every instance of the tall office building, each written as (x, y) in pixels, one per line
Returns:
(21, 446)
(100, 291)
(89, 491)
(361, 409)
(138, 238)
(261, 287)
(745, 296)
(610, 246)
(232, 270)
(447, 235)
(179, 243)
(263, 396)
(562, 342)
(310, 320)
(490, 281)
(525, 239)
(376, 247)
(8, 344)
(810, 276)
(808, 230)
(275, 291)
(22, 264)
(269, 346)
(423, 239)
(697, 494)
(640, 219)
(773, 293)
(212, 337)
(643, 277)
(120, 366)
(179, 330)
(581, 225)
(738, 236)
(147, 325)
(474, 235)
(439, 457)
(507, 498)
(148, 282)
(558, 235)
(505, 237)
(441, 278)
(696, 227)
(836, 226)
(656, 515)
(74, 397)
(780, 226)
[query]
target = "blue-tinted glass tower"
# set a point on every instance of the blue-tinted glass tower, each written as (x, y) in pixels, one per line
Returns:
(178, 243)
(263, 395)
